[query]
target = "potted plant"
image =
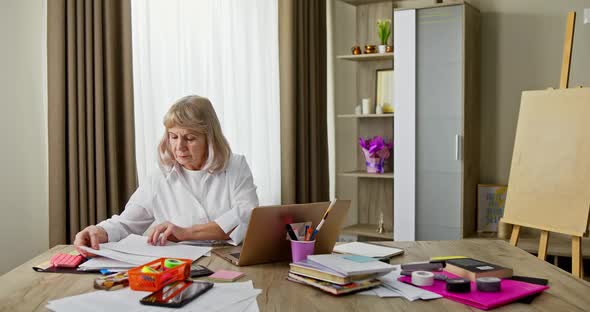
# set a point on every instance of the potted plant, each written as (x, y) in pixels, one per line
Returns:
(384, 31)
(376, 152)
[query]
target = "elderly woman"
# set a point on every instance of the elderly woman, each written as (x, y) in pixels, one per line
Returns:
(201, 192)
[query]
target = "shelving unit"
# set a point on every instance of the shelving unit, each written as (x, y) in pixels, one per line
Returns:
(353, 23)
(366, 230)
(364, 174)
(389, 115)
(359, 2)
(367, 57)
(355, 78)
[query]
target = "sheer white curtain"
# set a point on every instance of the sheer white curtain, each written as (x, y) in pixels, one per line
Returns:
(226, 50)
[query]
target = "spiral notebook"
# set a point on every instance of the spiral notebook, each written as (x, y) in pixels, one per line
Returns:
(511, 291)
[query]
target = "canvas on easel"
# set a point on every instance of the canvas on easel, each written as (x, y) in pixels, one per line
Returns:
(556, 143)
(549, 185)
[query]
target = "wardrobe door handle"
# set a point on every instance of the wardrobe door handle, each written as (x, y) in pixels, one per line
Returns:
(458, 147)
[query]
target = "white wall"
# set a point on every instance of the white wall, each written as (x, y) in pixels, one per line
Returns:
(23, 120)
(522, 44)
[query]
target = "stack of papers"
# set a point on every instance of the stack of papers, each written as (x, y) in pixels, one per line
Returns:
(98, 263)
(391, 287)
(351, 265)
(222, 297)
(208, 243)
(368, 250)
(134, 250)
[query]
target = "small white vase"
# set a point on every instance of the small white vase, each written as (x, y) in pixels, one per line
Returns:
(366, 106)
(381, 48)
(379, 109)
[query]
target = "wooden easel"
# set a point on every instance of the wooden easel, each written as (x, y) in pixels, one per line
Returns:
(567, 50)
(577, 262)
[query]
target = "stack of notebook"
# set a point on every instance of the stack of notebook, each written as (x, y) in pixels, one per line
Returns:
(339, 274)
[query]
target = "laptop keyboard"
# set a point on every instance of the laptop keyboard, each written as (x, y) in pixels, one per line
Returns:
(236, 255)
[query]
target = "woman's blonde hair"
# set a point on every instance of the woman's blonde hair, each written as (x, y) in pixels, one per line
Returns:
(196, 114)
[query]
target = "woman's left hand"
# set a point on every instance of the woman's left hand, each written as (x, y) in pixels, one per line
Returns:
(169, 232)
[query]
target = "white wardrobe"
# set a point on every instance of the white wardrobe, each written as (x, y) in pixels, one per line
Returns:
(436, 123)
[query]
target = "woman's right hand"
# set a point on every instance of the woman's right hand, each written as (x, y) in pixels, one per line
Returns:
(91, 236)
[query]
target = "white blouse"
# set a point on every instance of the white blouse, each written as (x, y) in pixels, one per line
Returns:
(186, 198)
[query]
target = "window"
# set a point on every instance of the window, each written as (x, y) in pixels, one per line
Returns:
(226, 50)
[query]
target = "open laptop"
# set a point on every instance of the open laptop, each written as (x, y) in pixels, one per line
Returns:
(266, 240)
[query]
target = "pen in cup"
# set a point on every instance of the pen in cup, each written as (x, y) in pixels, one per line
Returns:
(317, 229)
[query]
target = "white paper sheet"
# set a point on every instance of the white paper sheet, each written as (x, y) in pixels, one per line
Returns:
(134, 249)
(138, 245)
(381, 292)
(368, 250)
(120, 256)
(238, 297)
(408, 291)
(104, 263)
(248, 305)
(206, 243)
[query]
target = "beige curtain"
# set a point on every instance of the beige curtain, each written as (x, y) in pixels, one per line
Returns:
(304, 138)
(92, 169)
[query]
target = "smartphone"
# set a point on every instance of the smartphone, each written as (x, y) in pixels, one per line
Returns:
(199, 270)
(177, 294)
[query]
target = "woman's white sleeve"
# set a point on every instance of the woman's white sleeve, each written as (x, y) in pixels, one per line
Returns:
(136, 218)
(243, 200)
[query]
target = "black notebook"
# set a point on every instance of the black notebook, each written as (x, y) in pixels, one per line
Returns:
(471, 269)
(530, 280)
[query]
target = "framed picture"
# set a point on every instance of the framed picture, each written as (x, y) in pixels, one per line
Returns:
(384, 89)
(491, 199)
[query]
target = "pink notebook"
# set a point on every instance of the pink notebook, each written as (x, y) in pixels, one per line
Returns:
(510, 292)
(226, 276)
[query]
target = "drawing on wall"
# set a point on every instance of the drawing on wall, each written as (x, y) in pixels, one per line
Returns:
(491, 199)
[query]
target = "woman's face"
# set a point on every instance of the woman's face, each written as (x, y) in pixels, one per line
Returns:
(189, 149)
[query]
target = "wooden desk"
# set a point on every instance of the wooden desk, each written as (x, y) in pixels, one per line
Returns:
(22, 289)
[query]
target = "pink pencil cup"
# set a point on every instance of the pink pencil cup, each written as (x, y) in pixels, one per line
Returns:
(301, 249)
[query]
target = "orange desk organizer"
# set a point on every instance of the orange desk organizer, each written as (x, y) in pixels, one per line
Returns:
(145, 281)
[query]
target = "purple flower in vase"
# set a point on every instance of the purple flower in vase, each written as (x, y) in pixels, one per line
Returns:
(376, 147)
(376, 151)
